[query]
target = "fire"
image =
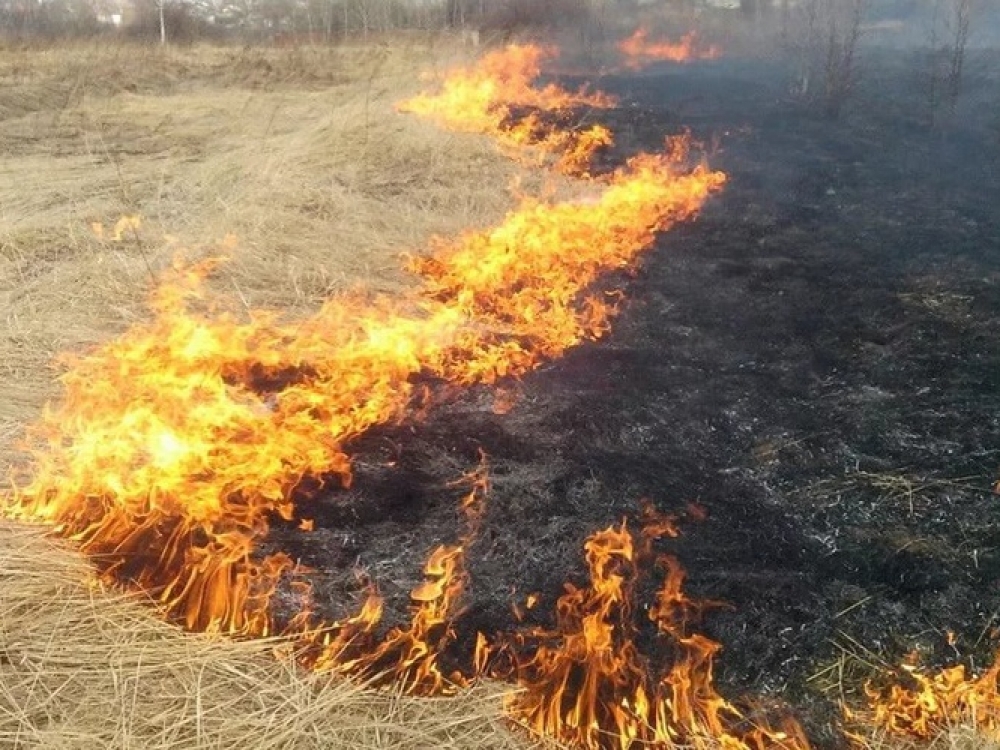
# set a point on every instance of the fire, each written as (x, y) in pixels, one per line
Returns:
(129, 224)
(498, 96)
(934, 702)
(639, 51)
(410, 657)
(175, 443)
(174, 446)
(586, 683)
(524, 277)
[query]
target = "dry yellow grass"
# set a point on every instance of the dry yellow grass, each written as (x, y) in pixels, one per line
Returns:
(300, 155)
(954, 738)
(83, 668)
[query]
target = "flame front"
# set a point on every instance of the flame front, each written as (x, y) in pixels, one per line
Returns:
(174, 445)
(587, 684)
(498, 96)
(935, 702)
(639, 51)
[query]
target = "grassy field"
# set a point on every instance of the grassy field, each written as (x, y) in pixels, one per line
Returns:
(300, 156)
(296, 165)
(297, 153)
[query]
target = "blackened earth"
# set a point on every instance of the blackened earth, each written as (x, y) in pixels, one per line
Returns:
(815, 361)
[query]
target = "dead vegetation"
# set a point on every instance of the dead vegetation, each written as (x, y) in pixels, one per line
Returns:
(822, 37)
(947, 37)
(300, 155)
(81, 667)
(297, 153)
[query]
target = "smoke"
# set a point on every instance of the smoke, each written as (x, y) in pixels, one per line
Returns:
(904, 24)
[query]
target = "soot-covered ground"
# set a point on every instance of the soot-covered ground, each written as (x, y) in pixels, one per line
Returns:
(815, 362)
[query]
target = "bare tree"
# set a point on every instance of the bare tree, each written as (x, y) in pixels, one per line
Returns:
(823, 37)
(947, 35)
(961, 17)
(802, 38)
(843, 34)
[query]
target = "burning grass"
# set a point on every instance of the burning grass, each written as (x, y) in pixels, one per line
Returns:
(178, 442)
(485, 97)
(298, 153)
(639, 50)
(81, 667)
(485, 312)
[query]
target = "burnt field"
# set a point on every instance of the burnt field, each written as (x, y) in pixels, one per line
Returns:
(807, 375)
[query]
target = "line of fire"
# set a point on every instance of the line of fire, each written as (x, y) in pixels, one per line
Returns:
(183, 454)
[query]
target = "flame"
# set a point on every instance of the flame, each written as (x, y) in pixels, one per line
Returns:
(639, 51)
(130, 223)
(586, 683)
(934, 702)
(410, 657)
(174, 444)
(493, 96)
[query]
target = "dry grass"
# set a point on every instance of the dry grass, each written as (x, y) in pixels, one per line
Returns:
(956, 738)
(842, 679)
(84, 668)
(299, 153)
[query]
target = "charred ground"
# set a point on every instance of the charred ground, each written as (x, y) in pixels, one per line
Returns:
(815, 362)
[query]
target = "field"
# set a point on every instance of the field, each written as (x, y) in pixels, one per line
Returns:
(295, 152)
(806, 375)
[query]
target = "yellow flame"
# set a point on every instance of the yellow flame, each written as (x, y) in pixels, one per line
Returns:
(639, 51)
(498, 96)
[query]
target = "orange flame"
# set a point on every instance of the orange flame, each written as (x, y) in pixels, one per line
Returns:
(933, 703)
(491, 97)
(129, 223)
(588, 685)
(174, 443)
(410, 656)
(639, 51)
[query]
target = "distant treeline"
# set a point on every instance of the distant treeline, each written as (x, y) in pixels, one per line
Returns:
(262, 20)
(319, 21)
(323, 20)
